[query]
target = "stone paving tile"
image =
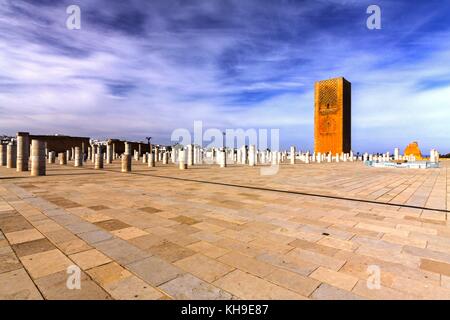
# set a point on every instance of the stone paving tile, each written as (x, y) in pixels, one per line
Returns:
(170, 251)
(247, 264)
(81, 227)
(129, 233)
(147, 241)
(121, 251)
(315, 246)
(9, 262)
(66, 219)
(192, 288)
(108, 273)
(61, 235)
(334, 278)
(46, 225)
(435, 266)
(327, 292)
(291, 263)
(73, 246)
(17, 285)
(382, 293)
(96, 217)
(420, 289)
(23, 236)
(293, 281)
(14, 223)
(133, 288)
(89, 259)
(317, 258)
(154, 270)
(54, 287)
(203, 267)
(111, 225)
(185, 220)
(95, 236)
(247, 286)
(208, 249)
(32, 247)
(45, 263)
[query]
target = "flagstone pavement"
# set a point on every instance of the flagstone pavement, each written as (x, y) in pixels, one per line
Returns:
(310, 231)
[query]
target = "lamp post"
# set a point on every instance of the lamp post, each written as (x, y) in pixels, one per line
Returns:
(223, 141)
(149, 139)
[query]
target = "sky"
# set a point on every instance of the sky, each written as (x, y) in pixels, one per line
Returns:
(145, 68)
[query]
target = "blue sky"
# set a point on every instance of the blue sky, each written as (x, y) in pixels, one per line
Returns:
(139, 68)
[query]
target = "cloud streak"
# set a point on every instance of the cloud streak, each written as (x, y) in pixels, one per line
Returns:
(140, 68)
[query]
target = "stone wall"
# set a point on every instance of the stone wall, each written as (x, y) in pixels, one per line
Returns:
(62, 143)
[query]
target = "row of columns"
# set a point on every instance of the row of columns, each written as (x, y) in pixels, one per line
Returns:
(17, 156)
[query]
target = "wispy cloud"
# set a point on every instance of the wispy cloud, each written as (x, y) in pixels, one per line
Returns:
(139, 67)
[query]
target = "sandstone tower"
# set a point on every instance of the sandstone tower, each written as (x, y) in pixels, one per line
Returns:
(332, 116)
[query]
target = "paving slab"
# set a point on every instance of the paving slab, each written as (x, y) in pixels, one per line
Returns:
(17, 285)
(188, 287)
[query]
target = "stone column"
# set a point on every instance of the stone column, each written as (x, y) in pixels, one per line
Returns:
(78, 158)
(223, 159)
(11, 155)
(432, 155)
(37, 158)
(126, 163)
(156, 154)
(127, 148)
(2, 155)
(329, 157)
(62, 158)
(190, 155)
(23, 149)
(151, 159)
(194, 155)
(273, 157)
(251, 155)
(396, 154)
(94, 152)
(244, 155)
(51, 157)
(68, 157)
(239, 156)
(98, 158)
(83, 159)
(144, 158)
(89, 153)
(292, 154)
(182, 161)
(165, 158)
(109, 153)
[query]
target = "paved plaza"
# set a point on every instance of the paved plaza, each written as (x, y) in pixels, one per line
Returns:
(311, 231)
